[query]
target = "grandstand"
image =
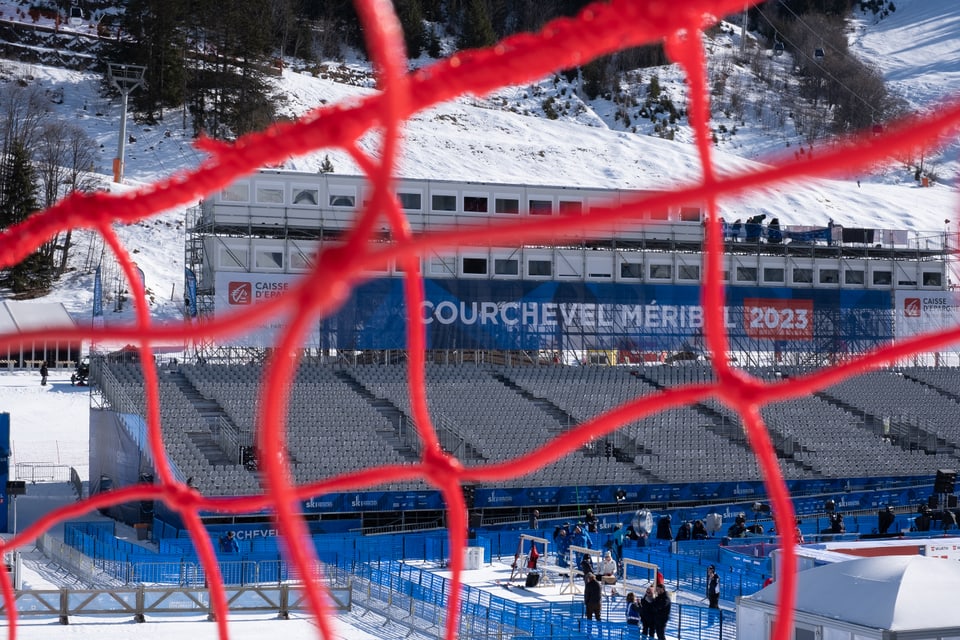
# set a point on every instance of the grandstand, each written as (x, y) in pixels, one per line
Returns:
(345, 418)
(525, 344)
(522, 346)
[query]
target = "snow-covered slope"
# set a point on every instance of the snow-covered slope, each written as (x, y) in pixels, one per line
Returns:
(492, 139)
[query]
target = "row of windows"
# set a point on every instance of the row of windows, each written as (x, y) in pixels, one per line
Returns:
(269, 259)
(346, 197)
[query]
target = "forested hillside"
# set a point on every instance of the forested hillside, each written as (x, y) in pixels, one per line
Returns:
(213, 55)
(207, 66)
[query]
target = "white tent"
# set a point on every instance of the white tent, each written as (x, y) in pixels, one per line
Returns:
(18, 316)
(890, 597)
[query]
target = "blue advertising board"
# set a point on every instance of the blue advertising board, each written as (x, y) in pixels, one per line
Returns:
(528, 315)
(4, 467)
(892, 490)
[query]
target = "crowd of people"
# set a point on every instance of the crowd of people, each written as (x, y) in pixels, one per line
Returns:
(754, 229)
(651, 612)
(565, 536)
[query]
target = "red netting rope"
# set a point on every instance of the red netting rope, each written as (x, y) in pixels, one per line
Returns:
(599, 29)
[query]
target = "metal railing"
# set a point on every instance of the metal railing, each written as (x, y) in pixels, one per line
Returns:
(34, 472)
(140, 601)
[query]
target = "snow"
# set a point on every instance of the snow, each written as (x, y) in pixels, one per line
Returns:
(476, 139)
(48, 424)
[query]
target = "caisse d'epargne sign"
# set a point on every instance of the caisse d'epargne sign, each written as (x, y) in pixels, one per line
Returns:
(916, 312)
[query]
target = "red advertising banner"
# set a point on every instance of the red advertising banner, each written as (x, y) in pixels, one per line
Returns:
(778, 319)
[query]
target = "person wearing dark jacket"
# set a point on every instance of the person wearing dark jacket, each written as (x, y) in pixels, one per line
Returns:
(592, 596)
(43, 374)
(886, 518)
(664, 530)
(836, 524)
(713, 587)
(661, 612)
(646, 613)
(713, 594)
(586, 566)
(699, 530)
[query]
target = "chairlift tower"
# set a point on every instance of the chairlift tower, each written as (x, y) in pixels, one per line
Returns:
(126, 78)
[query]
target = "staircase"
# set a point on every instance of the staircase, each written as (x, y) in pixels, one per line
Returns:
(718, 423)
(907, 436)
(565, 422)
(214, 416)
(388, 410)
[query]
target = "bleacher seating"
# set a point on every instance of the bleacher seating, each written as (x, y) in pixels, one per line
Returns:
(494, 413)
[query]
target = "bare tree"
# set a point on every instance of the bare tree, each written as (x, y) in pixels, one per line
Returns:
(22, 113)
(64, 159)
(48, 156)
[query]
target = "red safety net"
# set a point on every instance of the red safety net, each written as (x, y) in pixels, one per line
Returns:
(600, 29)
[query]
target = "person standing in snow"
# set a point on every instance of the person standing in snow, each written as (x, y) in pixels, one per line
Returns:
(661, 611)
(592, 597)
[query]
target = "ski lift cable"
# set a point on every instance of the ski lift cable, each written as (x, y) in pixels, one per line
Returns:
(819, 51)
(796, 49)
(833, 50)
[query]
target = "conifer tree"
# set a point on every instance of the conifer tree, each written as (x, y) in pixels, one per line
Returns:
(155, 39)
(477, 28)
(410, 13)
(17, 201)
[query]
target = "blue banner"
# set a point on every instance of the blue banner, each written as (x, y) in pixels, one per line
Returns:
(844, 491)
(374, 501)
(97, 293)
(527, 315)
(824, 234)
(190, 295)
(4, 469)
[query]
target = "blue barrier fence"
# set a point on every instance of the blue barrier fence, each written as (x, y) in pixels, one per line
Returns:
(378, 562)
(743, 565)
(489, 615)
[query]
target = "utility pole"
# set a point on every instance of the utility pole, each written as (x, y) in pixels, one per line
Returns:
(126, 78)
(743, 34)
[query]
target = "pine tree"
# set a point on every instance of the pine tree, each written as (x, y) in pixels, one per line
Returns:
(19, 197)
(228, 96)
(410, 13)
(156, 40)
(17, 201)
(477, 29)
